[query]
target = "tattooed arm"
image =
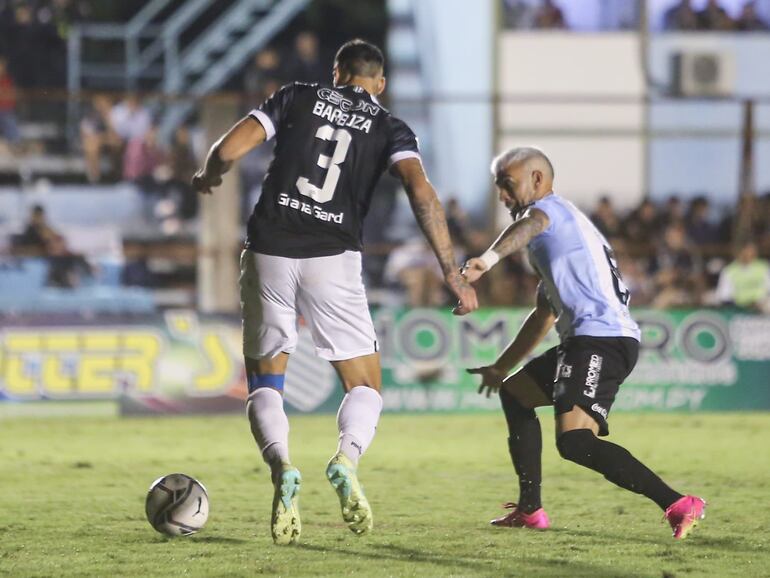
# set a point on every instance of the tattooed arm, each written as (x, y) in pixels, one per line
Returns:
(515, 237)
(432, 220)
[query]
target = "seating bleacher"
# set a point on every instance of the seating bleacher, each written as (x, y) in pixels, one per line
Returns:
(23, 290)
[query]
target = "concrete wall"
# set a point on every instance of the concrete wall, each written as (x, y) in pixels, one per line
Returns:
(710, 164)
(441, 55)
(580, 96)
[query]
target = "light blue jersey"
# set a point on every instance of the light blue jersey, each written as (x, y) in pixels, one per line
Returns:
(579, 274)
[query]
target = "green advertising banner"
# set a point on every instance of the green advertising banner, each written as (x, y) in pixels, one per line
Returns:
(690, 360)
(181, 362)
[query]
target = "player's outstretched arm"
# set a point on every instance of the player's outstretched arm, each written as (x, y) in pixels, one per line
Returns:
(240, 139)
(533, 330)
(430, 215)
(515, 237)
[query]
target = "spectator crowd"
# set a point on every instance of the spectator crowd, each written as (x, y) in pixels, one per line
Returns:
(679, 15)
(674, 254)
(66, 269)
(33, 37)
(528, 15)
(120, 142)
(677, 254)
(713, 17)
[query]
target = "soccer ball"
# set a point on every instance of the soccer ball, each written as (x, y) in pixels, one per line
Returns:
(177, 505)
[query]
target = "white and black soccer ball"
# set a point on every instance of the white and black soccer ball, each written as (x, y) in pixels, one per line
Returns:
(177, 505)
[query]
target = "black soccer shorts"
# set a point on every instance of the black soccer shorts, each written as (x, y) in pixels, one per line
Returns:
(585, 372)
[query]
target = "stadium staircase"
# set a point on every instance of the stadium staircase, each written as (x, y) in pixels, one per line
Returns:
(409, 83)
(172, 50)
(223, 49)
(188, 48)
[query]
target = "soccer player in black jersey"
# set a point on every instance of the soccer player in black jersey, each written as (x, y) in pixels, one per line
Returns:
(303, 256)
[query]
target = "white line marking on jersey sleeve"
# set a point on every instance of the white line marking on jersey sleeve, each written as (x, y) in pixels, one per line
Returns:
(265, 121)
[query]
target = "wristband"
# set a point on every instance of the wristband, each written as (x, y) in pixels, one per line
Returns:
(490, 258)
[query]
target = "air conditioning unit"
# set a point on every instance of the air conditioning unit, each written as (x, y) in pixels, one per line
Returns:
(695, 73)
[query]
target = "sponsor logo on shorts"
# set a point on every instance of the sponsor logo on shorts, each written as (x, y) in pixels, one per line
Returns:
(593, 376)
(600, 410)
(565, 370)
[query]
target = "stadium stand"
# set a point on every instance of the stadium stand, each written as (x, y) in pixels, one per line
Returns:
(101, 165)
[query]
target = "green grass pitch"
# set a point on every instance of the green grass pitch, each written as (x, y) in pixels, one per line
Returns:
(72, 500)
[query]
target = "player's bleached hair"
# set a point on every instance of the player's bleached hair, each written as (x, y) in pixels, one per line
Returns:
(518, 154)
(359, 58)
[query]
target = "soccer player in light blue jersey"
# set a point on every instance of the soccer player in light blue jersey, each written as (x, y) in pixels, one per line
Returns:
(582, 292)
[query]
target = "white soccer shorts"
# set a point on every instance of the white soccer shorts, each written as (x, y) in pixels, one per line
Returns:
(328, 292)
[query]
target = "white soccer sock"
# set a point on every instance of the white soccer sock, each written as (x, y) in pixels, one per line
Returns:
(269, 425)
(357, 421)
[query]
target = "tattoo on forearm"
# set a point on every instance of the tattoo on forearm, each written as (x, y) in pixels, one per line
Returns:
(520, 233)
(432, 220)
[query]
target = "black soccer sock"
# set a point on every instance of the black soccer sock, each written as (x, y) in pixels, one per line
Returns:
(616, 464)
(525, 445)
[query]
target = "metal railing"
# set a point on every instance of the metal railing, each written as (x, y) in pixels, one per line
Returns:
(153, 55)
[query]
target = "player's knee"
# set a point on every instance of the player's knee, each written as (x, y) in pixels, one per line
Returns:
(373, 386)
(575, 445)
(354, 379)
(513, 408)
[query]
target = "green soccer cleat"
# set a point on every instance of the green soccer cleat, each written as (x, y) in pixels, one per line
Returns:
(286, 524)
(356, 511)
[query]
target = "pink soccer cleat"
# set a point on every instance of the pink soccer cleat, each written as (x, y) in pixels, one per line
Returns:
(684, 514)
(537, 520)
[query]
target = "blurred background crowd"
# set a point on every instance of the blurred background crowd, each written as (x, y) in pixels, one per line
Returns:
(101, 157)
(679, 15)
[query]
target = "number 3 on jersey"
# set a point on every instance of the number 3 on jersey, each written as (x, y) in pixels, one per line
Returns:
(325, 193)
